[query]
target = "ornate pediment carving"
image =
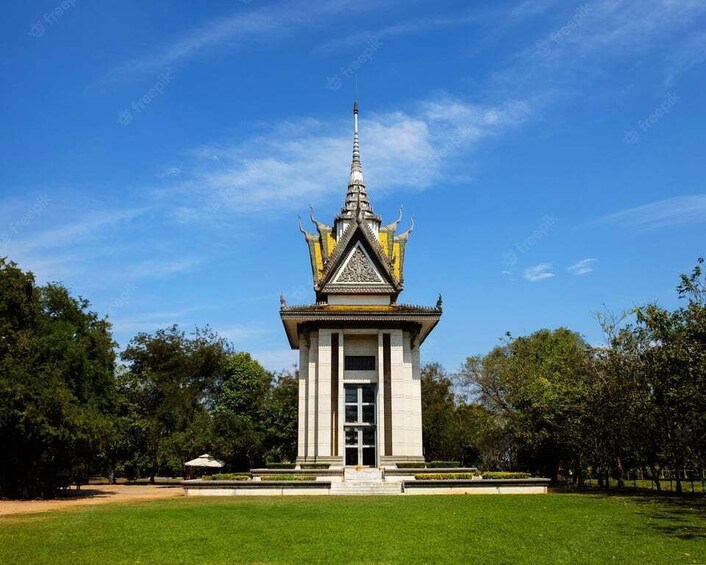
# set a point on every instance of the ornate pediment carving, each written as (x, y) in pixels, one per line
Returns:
(358, 269)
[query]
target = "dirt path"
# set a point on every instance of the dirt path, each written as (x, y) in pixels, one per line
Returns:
(90, 495)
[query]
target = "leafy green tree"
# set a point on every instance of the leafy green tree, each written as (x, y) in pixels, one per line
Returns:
(281, 409)
(672, 346)
(171, 381)
(536, 388)
(647, 404)
(57, 391)
(440, 425)
(239, 412)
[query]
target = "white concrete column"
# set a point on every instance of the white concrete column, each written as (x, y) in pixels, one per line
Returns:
(341, 397)
(416, 403)
(399, 395)
(312, 391)
(380, 416)
(323, 432)
(303, 396)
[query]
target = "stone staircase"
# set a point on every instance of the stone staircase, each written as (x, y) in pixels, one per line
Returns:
(364, 482)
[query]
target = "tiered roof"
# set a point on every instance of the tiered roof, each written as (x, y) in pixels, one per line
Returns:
(357, 255)
(334, 247)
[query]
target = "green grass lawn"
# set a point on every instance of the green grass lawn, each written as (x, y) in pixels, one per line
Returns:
(555, 528)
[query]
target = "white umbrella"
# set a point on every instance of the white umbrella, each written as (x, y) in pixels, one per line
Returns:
(204, 460)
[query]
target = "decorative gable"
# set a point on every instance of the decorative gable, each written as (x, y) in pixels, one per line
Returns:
(358, 265)
(358, 268)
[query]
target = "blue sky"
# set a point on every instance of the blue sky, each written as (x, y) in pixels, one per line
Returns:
(154, 156)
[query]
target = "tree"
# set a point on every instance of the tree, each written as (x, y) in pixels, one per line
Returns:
(239, 412)
(57, 391)
(281, 409)
(171, 381)
(440, 426)
(535, 386)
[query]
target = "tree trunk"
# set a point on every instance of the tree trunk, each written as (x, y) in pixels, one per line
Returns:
(655, 478)
(619, 472)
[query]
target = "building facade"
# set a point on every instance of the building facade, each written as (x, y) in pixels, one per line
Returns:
(359, 369)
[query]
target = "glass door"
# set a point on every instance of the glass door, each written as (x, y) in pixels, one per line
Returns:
(360, 425)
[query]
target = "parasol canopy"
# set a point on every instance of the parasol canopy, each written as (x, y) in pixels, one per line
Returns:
(204, 460)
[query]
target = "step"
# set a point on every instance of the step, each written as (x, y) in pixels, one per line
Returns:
(362, 489)
(363, 475)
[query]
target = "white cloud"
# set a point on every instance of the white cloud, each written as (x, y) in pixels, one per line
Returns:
(681, 210)
(307, 160)
(494, 17)
(257, 25)
(582, 267)
(409, 27)
(589, 35)
(95, 224)
(538, 272)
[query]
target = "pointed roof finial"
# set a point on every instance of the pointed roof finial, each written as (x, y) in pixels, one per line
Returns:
(356, 197)
(356, 167)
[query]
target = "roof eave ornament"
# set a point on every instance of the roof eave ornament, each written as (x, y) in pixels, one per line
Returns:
(393, 226)
(405, 235)
(305, 233)
(320, 226)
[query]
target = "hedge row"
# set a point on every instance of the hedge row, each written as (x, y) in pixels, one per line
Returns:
(505, 475)
(430, 465)
(285, 478)
(444, 476)
(443, 464)
(227, 477)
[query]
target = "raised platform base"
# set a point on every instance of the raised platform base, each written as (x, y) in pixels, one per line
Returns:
(368, 482)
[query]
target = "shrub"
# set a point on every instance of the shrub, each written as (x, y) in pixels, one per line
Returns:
(315, 466)
(285, 478)
(227, 477)
(281, 465)
(443, 464)
(410, 465)
(505, 475)
(444, 476)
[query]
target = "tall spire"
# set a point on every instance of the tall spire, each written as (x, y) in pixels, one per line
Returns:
(357, 206)
(356, 168)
